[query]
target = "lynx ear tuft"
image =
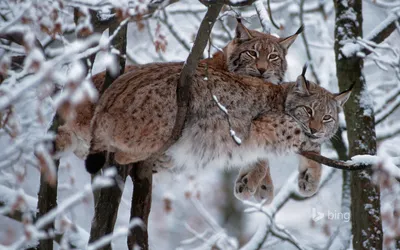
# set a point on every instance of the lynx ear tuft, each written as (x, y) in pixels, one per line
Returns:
(286, 42)
(342, 97)
(242, 33)
(302, 85)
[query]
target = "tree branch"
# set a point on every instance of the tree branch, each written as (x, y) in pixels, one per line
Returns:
(235, 3)
(334, 163)
(383, 30)
(188, 71)
(270, 15)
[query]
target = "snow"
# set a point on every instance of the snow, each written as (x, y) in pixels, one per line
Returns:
(61, 66)
(349, 49)
(365, 102)
(263, 15)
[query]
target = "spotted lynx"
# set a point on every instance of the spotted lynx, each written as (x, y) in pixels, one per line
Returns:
(249, 53)
(135, 117)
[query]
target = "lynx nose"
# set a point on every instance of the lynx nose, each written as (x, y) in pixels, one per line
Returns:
(313, 130)
(261, 70)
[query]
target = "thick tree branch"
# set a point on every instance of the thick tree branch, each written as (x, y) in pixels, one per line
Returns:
(108, 200)
(188, 71)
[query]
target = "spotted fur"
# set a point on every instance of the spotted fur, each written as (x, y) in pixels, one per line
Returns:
(135, 117)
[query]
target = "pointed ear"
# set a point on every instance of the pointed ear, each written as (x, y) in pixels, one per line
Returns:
(302, 85)
(242, 33)
(286, 42)
(342, 97)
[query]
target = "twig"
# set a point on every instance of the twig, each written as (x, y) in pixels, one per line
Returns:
(171, 27)
(270, 16)
(235, 3)
(307, 47)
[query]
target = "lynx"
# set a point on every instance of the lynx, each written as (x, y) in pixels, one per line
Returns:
(135, 116)
(249, 53)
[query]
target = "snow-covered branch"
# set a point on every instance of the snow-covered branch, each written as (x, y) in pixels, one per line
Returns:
(377, 35)
(262, 15)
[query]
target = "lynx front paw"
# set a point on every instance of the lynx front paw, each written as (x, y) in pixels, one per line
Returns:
(265, 192)
(308, 182)
(245, 186)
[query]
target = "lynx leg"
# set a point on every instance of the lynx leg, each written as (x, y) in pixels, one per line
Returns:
(309, 176)
(265, 190)
(248, 179)
(65, 140)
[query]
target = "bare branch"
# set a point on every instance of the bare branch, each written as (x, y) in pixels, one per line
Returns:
(270, 15)
(236, 3)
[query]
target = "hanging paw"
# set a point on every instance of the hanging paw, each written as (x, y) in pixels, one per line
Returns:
(245, 187)
(308, 182)
(246, 183)
(265, 191)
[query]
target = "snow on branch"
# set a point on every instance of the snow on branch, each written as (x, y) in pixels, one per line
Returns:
(344, 165)
(8, 201)
(117, 233)
(215, 236)
(288, 191)
(276, 230)
(358, 162)
(34, 231)
(231, 131)
(377, 35)
(263, 16)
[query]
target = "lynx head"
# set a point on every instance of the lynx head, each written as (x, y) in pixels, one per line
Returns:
(257, 54)
(315, 108)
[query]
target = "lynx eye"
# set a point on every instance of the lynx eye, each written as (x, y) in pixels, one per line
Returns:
(308, 110)
(252, 53)
(273, 57)
(327, 118)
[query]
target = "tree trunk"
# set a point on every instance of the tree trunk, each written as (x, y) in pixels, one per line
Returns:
(47, 196)
(47, 200)
(343, 238)
(106, 208)
(142, 178)
(365, 195)
(107, 200)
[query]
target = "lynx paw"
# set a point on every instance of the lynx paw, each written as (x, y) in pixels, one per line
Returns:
(265, 191)
(308, 183)
(245, 186)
